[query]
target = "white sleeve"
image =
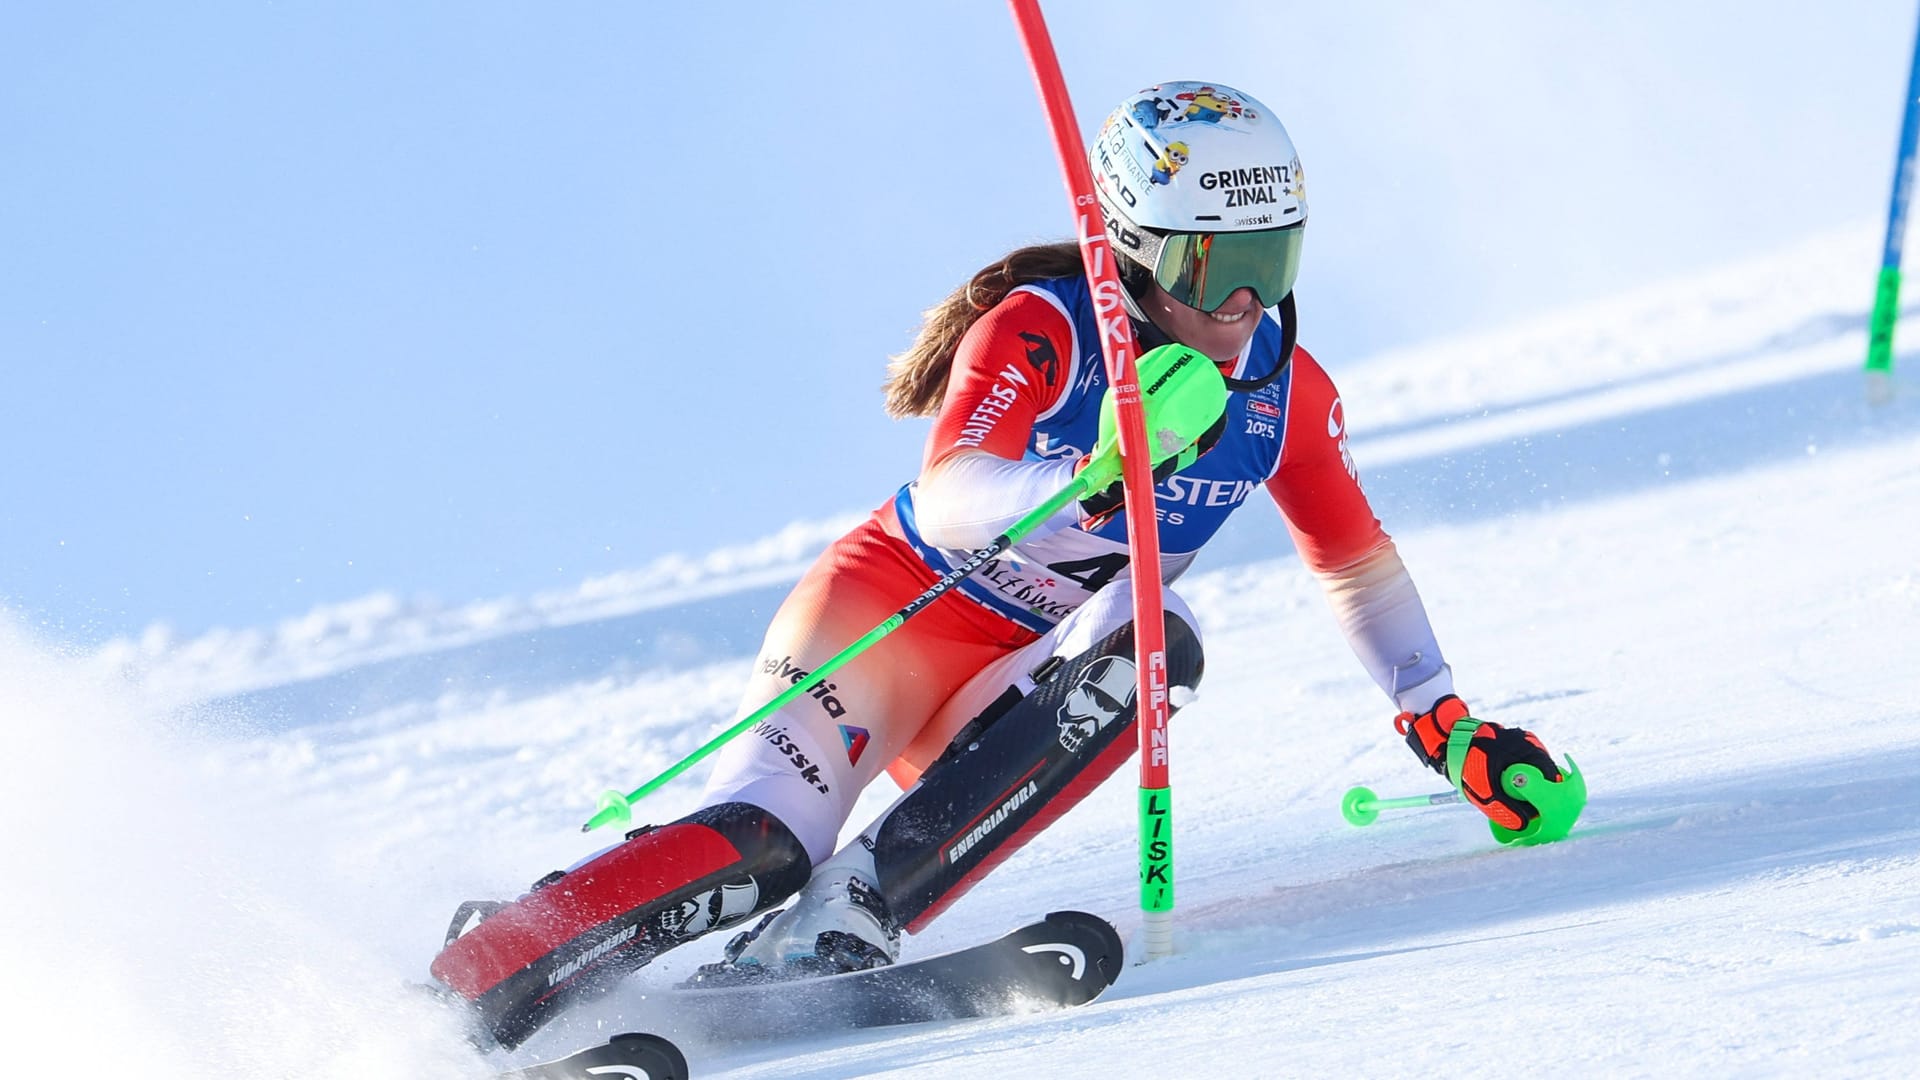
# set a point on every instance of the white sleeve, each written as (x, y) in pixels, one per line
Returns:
(969, 499)
(1380, 612)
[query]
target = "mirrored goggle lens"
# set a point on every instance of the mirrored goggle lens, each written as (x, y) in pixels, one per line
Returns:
(1202, 269)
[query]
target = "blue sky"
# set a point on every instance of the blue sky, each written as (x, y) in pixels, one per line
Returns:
(303, 301)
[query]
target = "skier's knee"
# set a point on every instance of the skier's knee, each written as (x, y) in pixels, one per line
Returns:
(1112, 608)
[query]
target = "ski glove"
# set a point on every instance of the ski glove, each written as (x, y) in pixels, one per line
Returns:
(1184, 402)
(1492, 751)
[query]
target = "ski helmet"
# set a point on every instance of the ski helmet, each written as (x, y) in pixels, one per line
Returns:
(1202, 193)
(1201, 187)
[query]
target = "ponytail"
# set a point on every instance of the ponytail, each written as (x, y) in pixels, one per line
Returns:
(917, 378)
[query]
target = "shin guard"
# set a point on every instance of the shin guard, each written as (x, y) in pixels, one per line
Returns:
(576, 933)
(1013, 771)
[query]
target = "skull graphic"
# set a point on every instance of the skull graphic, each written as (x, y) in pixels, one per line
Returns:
(1103, 693)
(712, 909)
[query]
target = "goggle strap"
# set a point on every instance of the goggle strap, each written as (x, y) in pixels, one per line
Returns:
(1289, 334)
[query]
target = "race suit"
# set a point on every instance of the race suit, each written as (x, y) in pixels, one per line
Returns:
(1020, 412)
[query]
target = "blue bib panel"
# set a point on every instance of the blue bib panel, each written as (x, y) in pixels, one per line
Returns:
(1045, 578)
(1196, 503)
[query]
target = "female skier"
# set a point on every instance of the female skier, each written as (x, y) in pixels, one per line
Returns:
(1002, 704)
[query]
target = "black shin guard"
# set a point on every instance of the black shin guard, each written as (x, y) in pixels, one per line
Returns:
(576, 933)
(1013, 771)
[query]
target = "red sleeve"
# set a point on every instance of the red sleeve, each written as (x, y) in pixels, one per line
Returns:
(1011, 366)
(1316, 485)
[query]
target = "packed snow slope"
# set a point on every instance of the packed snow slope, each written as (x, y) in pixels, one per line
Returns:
(1668, 533)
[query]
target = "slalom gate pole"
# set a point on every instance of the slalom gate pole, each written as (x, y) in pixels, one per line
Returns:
(1886, 297)
(618, 808)
(1143, 533)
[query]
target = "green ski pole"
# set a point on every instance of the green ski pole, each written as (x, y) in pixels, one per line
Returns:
(1187, 393)
(1559, 802)
(615, 807)
(1362, 807)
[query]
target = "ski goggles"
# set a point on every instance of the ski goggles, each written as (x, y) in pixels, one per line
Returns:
(1202, 269)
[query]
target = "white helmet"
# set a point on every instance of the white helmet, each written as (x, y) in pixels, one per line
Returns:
(1201, 188)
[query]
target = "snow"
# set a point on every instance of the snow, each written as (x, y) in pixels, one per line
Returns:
(381, 627)
(1668, 533)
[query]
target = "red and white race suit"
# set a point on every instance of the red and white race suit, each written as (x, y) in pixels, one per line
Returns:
(1021, 409)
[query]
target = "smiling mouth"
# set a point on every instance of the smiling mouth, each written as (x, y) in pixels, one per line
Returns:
(1233, 318)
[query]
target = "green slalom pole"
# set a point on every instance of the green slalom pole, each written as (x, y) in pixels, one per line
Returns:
(1886, 293)
(618, 808)
(1886, 310)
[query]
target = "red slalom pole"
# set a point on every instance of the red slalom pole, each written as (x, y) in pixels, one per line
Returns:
(1143, 533)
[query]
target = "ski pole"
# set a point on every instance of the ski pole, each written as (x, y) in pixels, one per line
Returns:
(1361, 806)
(615, 807)
(1557, 803)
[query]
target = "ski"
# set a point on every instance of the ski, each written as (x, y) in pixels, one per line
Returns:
(1068, 958)
(624, 1057)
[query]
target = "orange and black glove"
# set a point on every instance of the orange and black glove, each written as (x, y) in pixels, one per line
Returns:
(1494, 749)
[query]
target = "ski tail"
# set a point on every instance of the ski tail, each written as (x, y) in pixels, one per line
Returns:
(576, 933)
(1014, 771)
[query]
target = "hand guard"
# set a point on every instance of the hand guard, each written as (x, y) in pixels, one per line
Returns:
(1490, 752)
(1106, 502)
(1184, 402)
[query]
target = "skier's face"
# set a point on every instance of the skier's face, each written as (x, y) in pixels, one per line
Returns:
(1220, 334)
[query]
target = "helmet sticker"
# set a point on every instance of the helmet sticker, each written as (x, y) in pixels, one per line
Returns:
(1210, 106)
(1112, 146)
(1252, 185)
(1205, 105)
(1169, 162)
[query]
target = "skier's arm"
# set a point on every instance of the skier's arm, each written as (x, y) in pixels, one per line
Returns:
(1378, 608)
(1341, 542)
(1011, 367)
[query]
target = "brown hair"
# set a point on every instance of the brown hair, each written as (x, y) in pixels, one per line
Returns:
(917, 378)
